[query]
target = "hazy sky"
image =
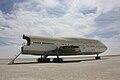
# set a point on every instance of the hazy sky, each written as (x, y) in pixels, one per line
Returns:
(98, 19)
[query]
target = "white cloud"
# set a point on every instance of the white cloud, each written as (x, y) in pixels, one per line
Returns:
(113, 27)
(29, 21)
(113, 45)
(50, 3)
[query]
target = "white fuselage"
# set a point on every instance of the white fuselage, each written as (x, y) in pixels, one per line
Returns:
(65, 46)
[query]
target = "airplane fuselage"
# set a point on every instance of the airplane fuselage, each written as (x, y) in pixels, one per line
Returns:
(61, 46)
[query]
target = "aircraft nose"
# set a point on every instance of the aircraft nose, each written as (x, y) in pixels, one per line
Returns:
(105, 48)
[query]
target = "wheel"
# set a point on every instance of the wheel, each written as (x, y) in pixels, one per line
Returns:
(43, 60)
(39, 60)
(57, 60)
(97, 57)
(47, 60)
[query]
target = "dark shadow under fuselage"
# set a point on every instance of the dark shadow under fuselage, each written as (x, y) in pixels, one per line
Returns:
(66, 61)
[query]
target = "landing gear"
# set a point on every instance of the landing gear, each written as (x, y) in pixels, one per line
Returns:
(43, 59)
(97, 57)
(57, 60)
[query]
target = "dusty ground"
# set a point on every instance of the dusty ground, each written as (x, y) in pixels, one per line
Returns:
(108, 68)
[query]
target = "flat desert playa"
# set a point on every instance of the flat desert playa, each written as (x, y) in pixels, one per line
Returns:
(108, 68)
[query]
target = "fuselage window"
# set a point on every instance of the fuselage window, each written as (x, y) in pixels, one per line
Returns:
(46, 43)
(76, 46)
(63, 47)
(36, 42)
(68, 46)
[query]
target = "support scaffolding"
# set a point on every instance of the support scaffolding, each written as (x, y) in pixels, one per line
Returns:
(15, 57)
